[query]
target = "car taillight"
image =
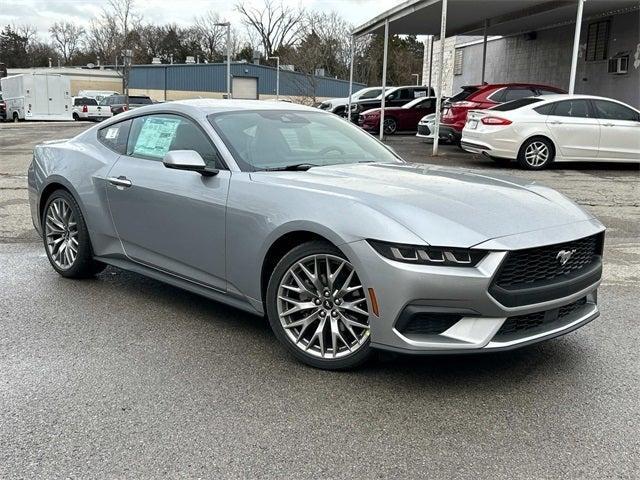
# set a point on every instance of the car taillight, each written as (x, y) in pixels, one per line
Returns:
(495, 121)
(85, 109)
(125, 108)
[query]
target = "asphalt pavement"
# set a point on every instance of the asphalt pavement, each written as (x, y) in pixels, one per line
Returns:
(125, 377)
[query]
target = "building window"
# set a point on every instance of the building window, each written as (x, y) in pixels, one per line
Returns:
(457, 62)
(597, 41)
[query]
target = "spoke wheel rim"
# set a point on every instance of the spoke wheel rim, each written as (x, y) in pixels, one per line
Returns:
(536, 154)
(322, 307)
(61, 234)
(389, 126)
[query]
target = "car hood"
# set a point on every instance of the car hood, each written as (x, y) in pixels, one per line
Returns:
(443, 206)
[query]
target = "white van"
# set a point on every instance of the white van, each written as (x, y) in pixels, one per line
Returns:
(99, 95)
(37, 96)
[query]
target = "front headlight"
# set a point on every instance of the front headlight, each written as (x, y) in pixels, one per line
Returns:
(428, 255)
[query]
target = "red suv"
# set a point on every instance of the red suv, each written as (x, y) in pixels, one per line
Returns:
(473, 97)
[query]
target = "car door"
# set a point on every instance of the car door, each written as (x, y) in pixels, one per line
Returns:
(619, 132)
(574, 130)
(172, 220)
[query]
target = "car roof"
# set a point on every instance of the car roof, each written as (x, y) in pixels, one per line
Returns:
(210, 105)
(568, 96)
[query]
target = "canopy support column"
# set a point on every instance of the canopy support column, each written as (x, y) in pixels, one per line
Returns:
(384, 76)
(430, 62)
(351, 54)
(484, 51)
(576, 47)
(443, 33)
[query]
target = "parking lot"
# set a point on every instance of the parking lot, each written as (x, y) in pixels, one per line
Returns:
(123, 376)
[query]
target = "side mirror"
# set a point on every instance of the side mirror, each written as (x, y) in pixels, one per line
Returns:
(188, 160)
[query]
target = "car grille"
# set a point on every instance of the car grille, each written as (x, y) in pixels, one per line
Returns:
(538, 321)
(424, 130)
(525, 267)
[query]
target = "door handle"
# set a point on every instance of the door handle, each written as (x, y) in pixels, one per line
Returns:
(555, 122)
(120, 182)
(608, 124)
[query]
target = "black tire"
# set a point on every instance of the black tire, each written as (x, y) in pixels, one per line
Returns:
(390, 126)
(541, 145)
(16, 117)
(76, 117)
(355, 359)
(84, 265)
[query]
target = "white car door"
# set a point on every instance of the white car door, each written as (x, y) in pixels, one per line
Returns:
(574, 131)
(619, 132)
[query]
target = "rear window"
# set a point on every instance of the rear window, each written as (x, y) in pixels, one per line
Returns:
(85, 101)
(463, 95)
(140, 100)
(514, 104)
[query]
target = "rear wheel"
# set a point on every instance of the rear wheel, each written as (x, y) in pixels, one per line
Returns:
(76, 117)
(66, 239)
(317, 307)
(536, 153)
(16, 117)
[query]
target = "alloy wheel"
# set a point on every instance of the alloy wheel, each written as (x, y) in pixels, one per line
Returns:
(61, 233)
(389, 126)
(322, 306)
(536, 154)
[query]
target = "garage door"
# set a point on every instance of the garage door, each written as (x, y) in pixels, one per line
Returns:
(245, 88)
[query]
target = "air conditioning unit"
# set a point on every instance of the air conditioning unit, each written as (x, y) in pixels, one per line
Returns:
(619, 65)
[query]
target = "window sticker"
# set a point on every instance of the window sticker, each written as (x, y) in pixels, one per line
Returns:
(156, 136)
(112, 133)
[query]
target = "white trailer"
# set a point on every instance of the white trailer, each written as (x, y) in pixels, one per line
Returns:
(37, 96)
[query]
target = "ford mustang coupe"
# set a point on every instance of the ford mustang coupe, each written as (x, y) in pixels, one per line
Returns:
(295, 213)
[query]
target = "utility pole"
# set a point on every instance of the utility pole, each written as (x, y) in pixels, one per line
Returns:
(228, 25)
(277, 59)
(127, 55)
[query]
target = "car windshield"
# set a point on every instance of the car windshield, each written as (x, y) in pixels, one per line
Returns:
(86, 101)
(415, 103)
(279, 139)
(373, 93)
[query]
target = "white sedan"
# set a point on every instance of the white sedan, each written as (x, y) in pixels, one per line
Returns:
(537, 131)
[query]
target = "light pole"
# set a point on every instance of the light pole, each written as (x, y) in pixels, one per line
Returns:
(228, 25)
(126, 58)
(417, 75)
(277, 59)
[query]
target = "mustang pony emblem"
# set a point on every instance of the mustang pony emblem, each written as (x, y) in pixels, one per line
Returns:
(564, 256)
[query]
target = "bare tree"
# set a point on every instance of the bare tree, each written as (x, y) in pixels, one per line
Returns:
(276, 24)
(67, 38)
(212, 36)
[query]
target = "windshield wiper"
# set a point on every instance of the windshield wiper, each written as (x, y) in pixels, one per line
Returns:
(298, 167)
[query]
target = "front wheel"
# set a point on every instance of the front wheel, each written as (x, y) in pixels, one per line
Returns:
(536, 153)
(390, 126)
(317, 307)
(66, 239)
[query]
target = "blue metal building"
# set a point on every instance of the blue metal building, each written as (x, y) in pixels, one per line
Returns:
(211, 77)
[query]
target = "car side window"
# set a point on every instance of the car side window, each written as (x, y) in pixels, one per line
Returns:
(517, 93)
(152, 136)
(571, 108)
(406, 94)
(545, 109)
(115, 136)
(614, 111)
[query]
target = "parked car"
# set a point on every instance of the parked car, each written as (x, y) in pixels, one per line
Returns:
(289, 211)
(118, 103)
(88, 109)
(537, 131)
(395, 97)
(339, 105)
(3, 109)
(404, 118)
(473, 97)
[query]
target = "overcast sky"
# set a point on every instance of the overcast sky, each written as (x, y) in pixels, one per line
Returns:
(42, 13)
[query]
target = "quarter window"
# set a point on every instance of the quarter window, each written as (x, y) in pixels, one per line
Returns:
(571, 108)
(115, 136)
(152, 136)
(614, 111)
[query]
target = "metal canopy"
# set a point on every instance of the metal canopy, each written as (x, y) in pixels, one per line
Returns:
(504, 17)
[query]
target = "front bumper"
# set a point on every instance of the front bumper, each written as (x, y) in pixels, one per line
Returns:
(477, 322)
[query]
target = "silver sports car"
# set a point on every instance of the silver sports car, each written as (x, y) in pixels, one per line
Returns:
(295, 213)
